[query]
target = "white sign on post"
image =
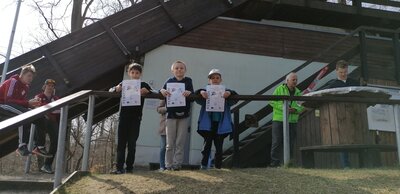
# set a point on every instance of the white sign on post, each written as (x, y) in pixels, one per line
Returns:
(381, 117)
(131, 93)
(215, 101)
(176, 99)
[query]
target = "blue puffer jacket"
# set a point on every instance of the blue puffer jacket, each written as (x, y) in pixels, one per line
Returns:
(225, 124)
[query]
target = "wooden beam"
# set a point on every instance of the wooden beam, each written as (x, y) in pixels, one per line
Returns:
(363, 55)
(168, 13)
(383, 2)
(396, 54)
(115, 38)
(54, 63)
(335, 7)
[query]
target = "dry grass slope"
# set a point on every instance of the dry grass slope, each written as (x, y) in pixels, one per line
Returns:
(257, 180)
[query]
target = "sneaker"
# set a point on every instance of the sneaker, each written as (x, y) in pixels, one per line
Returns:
(23, 151)
(161, 170)
(117, 172)
(275, 165)
(176, 168)
(130, 171)
(46, 169)
(203, 167)
(41, 152)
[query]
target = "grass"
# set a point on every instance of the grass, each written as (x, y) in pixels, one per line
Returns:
(252, 180)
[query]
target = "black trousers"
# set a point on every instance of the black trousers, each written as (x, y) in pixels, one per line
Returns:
(128, 133)
(277, 141)
(40, 132)
(209, 138)
(52, 127)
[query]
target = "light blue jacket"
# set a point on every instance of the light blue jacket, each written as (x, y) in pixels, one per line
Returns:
(225, 123)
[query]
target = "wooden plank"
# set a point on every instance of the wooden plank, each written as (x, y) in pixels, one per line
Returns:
(350, 147)
(383, 2)
(340, 8)
(343, 129)
(326, 136)
(335, 118)
(317, 121)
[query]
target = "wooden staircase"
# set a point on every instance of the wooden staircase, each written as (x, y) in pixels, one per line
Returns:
(253, 149)
(94, 57)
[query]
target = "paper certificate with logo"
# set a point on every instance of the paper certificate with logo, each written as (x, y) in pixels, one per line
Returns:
(130, 93)
(176, 98)
(215, 101)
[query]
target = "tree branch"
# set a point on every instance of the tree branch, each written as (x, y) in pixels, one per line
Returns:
(48, 22)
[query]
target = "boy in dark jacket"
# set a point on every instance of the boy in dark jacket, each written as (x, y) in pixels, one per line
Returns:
(129, 124)
(177, 116)
(214, 126)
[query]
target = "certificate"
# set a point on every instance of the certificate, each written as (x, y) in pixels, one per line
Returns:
(130, 93)
(215, 101)
(176, 99)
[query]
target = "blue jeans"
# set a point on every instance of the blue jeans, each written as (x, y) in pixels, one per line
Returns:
(344, 159)
(163, 145)
(277, 141)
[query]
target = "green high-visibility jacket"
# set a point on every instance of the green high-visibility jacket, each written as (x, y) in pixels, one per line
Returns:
(283, 90)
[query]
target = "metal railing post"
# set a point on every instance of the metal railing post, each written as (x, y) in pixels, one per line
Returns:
(396, 53)
(30, 148)
(88, 134)
(286, 135)
(236, 156)
(397, 125)
(61, 147)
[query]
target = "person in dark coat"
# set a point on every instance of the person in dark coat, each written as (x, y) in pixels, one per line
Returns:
(342, 80)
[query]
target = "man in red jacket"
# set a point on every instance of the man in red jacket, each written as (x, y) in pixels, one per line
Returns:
(13, 98)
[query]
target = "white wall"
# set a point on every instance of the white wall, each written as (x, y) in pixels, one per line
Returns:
(245, 73)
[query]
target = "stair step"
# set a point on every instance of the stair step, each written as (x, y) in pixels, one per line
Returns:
(25, 186)
(257, 134)
(245, 141)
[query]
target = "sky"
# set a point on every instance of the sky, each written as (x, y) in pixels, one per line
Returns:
(27, 22)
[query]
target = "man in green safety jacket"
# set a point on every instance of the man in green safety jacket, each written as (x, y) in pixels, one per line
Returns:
(286, 89)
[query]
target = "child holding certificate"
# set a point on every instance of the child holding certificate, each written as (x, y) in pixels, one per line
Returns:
(176, 89)
(130, 116)
(215, 121)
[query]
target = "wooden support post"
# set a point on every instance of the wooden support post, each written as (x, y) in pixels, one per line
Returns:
(356, 3)
(236, 156)
(396, 50)
(363, 55)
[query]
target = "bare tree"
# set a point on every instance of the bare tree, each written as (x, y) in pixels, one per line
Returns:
(55, 15)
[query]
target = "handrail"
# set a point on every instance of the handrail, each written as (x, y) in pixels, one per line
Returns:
(63, 103)
(236, 108)
(351, 34)
(26, 117)
(31, 115)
